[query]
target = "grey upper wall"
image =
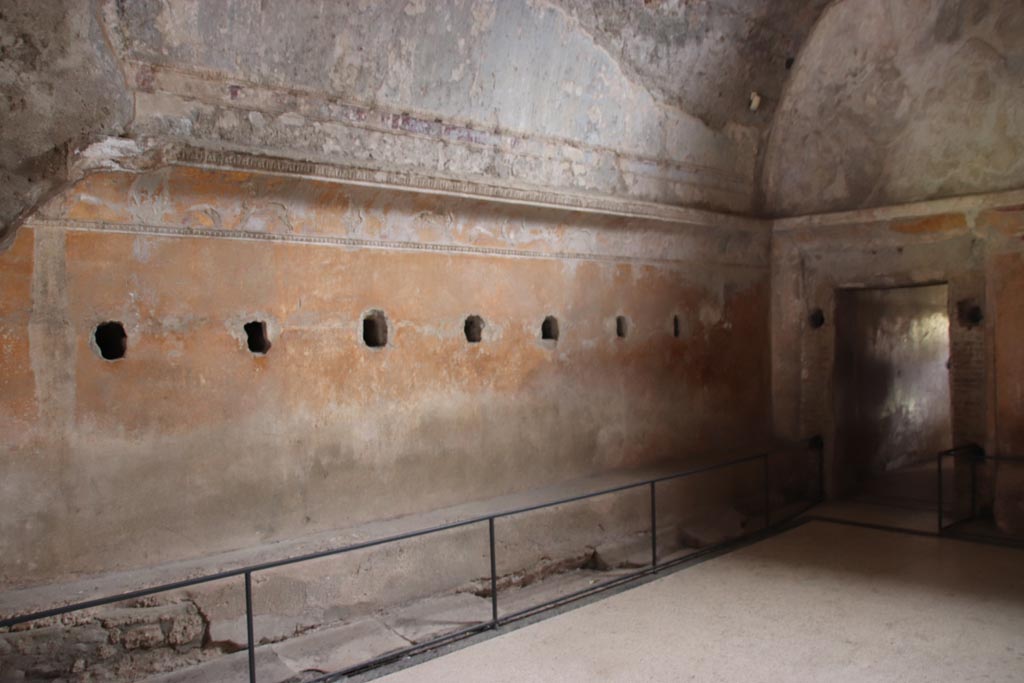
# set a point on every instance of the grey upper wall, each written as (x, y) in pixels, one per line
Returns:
(893, 101)
(59, 87)
(641, 100)
(513, 90)
(704, 57)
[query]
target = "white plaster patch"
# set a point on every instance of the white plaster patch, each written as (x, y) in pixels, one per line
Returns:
(142, 249)
(710, 314)
(416, 8)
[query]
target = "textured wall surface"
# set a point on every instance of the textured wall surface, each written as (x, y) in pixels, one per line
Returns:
(705, 57)
(974, 246)
(893, 101)
(1006, 276)
(648, 101)
(814, 259)
(515, 91)
(888, 101)
(60, 86)
(192, 444)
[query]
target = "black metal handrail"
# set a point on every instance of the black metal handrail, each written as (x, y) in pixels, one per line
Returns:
(976, 455)
(972, 450)
(247, 571)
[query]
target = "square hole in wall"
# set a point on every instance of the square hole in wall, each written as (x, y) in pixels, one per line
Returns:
(375, 329)
(111, 340)
(549, 328)
(256, 337)
(474, 329)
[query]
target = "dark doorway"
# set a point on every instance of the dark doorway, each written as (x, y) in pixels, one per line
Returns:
(892, 398)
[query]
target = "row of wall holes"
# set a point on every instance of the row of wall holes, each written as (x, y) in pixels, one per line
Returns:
(112, 340)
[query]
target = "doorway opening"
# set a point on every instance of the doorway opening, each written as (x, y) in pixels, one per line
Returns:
(892, 395)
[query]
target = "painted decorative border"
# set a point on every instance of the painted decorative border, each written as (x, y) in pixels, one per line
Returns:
(229, 160)
(359, 243)
(965, 204)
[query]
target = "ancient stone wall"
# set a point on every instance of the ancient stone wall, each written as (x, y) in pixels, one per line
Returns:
(1005, 226)
(197, 441)
(648, 101)
(893, 101)
(971, 244)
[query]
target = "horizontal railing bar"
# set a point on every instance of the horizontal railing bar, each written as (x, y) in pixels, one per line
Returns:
(274, 564)
(971, 448)
(572, 499)
(569, 597)
(100, 602)
(231, 573)
(709, 468)
(626, 487)
(984, 456)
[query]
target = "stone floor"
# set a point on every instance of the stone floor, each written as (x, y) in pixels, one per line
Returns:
(823, 601)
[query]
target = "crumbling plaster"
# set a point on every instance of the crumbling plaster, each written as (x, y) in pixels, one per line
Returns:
(192, 444)
(972, 244)
(594, 102)
(599, 99)
(704, 57)
(60, 88)
(893, 101)
(641, 101)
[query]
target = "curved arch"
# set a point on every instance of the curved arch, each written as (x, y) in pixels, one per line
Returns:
(894, 101)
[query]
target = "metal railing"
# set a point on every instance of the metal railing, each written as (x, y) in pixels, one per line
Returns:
(976, 456)
(496, 620)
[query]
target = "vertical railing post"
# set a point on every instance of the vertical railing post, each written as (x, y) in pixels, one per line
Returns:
(938, 477)
(654, 528)
(248, 627)
(767, 494)
(821, 472)
(974, 486)
(494, 573)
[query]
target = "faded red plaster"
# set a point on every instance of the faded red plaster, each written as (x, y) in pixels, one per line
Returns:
(1007, 220)
(193, 444)
(17, 381)
(1007, 274)
(942, 223)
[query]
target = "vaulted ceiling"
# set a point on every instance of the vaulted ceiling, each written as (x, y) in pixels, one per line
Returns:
(858, 102)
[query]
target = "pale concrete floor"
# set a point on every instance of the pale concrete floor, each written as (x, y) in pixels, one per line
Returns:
(822, 602)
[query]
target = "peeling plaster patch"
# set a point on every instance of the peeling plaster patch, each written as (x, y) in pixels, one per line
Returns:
(149, 199)
(710, 314)
(415, 8)
(109, 153)
(142, 248)
(270, 218)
